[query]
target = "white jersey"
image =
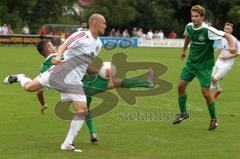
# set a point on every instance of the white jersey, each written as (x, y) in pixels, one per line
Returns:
(224, 46)
(84, 46)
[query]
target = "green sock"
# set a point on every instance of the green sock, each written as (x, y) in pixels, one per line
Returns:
(133, 83)
(89, 122)
(182, 103)
(212, 111)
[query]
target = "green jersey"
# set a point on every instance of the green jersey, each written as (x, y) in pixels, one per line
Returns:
(201, 54)
(47, 63)
(91, 84)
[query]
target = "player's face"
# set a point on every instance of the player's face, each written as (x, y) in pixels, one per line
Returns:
(101, 25)
(196, 19)
(228, 29)
(51, 48)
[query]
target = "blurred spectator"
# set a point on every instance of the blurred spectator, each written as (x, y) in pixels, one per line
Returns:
(134, 32)
(83, 27)
(161, 34)
(155, 35)
(25, 30)
(118, 33)
(172, 35)
(5, 29)
(140, 33)
(125, 33)
(150, 35)
(112, 33)
(1, 30)
(10, 31)
(42, 31)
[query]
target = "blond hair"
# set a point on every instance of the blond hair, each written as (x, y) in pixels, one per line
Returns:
(199, 9)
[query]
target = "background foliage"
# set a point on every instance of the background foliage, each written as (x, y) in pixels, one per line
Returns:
(166, 15)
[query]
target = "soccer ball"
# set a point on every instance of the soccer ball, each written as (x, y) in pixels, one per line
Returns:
(107, 70)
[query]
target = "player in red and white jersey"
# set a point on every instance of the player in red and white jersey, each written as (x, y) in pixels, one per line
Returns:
(79, 50)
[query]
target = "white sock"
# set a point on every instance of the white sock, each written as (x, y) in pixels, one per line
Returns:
(23, 80)
(75, 127)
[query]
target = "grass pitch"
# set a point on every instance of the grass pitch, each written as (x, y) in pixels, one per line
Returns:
(26, 134)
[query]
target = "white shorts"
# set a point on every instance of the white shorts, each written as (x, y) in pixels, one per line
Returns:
(66, 94)
(72, 97)
(219, 72)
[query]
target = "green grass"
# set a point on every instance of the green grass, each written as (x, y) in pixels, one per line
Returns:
(26, 134)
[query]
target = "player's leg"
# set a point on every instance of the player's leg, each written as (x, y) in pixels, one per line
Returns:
(204, 77)
(216, 80)
(76, 124)
(89, 122)
(133, 83)
(27, 83)
(186, 76)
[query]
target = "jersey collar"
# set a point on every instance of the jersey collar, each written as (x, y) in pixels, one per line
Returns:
(203, 25)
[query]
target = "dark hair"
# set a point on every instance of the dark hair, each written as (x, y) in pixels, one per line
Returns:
(41, 46)
(228, 24)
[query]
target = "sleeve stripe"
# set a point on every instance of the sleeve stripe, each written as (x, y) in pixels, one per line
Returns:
(214, 32)
(78, 36)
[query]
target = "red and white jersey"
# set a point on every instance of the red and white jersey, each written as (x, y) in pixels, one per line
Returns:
(82, 48)
(224, 46)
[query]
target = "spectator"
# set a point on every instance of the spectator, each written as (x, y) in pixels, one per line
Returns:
(161, 34)
(112, 33)
(125, 33)
(83, 27)
(1, 30)
(42, 31)
(150, 35)
(172, 35)
(10, 31)
(140, 33)
(155, 35)
(5, 29)
(134, 32)
(25, 30)
(118, 33)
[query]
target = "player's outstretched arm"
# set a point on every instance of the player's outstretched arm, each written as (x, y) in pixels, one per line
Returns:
(186, 43)
(232, 48)
(61, 49)
(41, 100)
(229, 57)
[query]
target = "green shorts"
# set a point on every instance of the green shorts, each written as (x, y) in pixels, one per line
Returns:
(93, 85)
(203, 76)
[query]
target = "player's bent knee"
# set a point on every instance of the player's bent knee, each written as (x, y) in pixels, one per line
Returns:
(29, 88)
(181, 89)
(82, 112)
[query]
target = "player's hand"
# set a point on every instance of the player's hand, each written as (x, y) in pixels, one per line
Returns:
(232, 50)
(183, 55)
(56, 60)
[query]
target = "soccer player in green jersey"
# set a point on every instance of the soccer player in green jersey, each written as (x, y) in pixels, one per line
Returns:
(92, 83)
(199, 62)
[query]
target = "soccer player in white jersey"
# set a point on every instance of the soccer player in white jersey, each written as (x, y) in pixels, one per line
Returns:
(79, 50)
(225, 60)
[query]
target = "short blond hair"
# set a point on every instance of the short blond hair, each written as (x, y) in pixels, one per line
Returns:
(199, 9)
